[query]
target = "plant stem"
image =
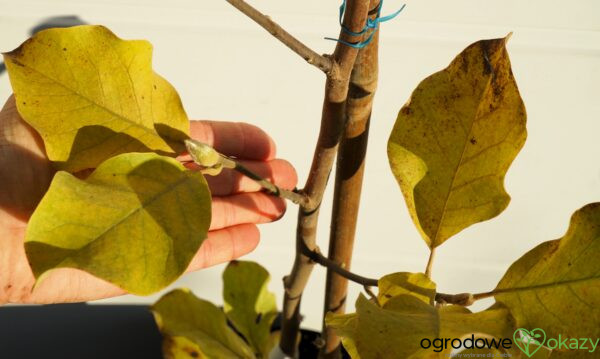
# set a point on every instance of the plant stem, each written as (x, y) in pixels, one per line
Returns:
(316, 256)
(459, 298)
(348, 183)
(430, 263)
(212, 163)
(295, 197)
(332, 126)
(464, 299)
(324, 63)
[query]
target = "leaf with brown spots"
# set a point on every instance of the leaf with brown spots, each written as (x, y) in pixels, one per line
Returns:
(91, 96)
(455, 139)
(556, 285)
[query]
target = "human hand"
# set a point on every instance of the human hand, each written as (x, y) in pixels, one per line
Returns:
(238, 205)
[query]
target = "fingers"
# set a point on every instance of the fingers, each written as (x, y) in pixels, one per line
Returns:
(225, 245)
(279, 172)
(245, 208)
(237, 139)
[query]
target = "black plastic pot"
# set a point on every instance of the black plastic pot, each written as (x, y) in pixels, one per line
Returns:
(78, 331)
(81, 331)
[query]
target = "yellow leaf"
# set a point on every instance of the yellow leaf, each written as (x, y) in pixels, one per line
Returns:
(136, 221)
(398, 330)
(174, 347)
(415, 284)
(190, 324)
(248, 303)
(556, 285)
(91, 96)
(455, 139)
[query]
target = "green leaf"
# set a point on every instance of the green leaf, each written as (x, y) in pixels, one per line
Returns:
(136, 221)
(416, 284)
(397, 330)
(91, 96)
(556, 285)
(249, 305)
(185, 319)
(455, 139)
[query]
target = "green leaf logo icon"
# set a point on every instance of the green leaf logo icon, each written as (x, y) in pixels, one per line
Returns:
(529, 341)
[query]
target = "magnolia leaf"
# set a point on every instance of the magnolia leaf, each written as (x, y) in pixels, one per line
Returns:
(556, 285)
(136, 221)
(190, 324)
(396, 331)
(179, 348)
(416, 284)
(248, 303)
(91, 95)
(455, 139)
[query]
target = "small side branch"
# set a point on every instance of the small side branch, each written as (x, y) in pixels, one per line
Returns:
(324, 63)
(464, 299)
(316, 256)
(467, 299)
(212, 163)
(296, 197)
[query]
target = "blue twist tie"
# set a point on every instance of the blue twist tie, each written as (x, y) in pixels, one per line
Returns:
(371, 24)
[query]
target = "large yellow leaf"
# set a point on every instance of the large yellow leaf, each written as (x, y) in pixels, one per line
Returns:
(249, 305)
(195, 328)
(455, 139)
(136, 221)
(556, 285)
(398, 329)
(91, 96)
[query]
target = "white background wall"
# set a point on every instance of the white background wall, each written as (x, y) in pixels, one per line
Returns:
(226, 67)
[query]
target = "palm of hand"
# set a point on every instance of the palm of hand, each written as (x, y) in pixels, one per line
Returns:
(238, 205)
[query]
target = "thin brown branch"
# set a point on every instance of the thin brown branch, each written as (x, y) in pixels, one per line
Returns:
(494, 292)
(212, 163)
(316, 256)
(467, 299)
(294, 196)
(348, 182)
(371, 294)
(322, 62)
(332, 127)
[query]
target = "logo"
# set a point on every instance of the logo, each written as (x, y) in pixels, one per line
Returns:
(530, 341)
(440, 344)
(525, 338)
